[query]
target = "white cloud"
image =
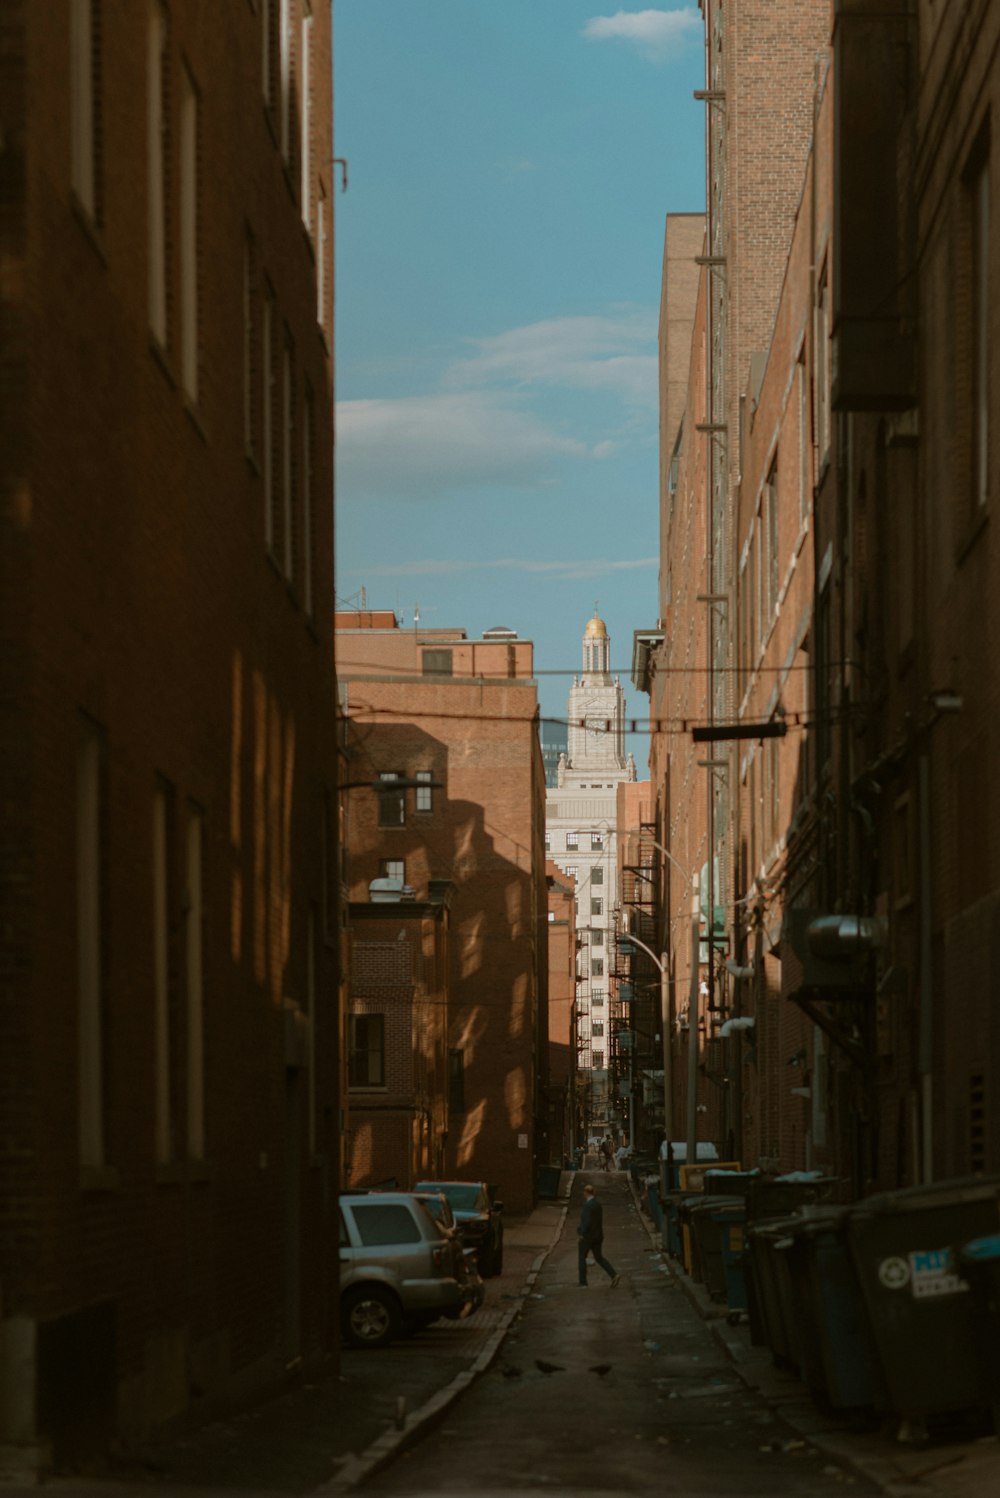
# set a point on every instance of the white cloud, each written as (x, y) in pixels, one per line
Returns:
(602, 352)
(657, 33)
(559, 571)
(423, 445)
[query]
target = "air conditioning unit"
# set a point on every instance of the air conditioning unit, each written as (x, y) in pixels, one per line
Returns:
(805, 949)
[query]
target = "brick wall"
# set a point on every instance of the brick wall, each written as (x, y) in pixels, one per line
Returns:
(147, 606)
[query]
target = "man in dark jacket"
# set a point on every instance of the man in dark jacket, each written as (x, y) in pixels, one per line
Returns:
(591, 1234)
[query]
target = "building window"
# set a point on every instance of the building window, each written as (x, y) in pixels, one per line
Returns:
(308, 438)
(548, 841)
(288, 453)
(572, 842)
(773, 560)
(821, 373)
(285, 76)
(391, 802)
(597, 997)
(571, 871)
(194, 917)
(250, 372)
(597, 1060)
(163, 1005)
(597, 874)
(269, 50)
(91, 904)
(189, 230)
(305, 92)
(157, 145)
(597, 840)
(597, 1029)
(437, 662)
(392, 868)
(597, 907)
(425, 793)
(552, 916)
(85, 104)
(597, 937)
(805, 446)
(366, 1050)
(597, 967)
(979, 202)
(456, 1081)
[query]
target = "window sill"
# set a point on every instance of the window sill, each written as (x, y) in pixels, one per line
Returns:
(971, 535)
(89, 225)
(162, 359)
(191, 411)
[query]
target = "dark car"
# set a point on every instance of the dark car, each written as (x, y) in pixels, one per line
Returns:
(479, 1218)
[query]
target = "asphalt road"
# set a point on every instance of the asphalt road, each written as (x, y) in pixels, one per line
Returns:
(612, 1391)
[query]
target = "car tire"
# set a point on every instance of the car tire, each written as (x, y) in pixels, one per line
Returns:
(370, 1316)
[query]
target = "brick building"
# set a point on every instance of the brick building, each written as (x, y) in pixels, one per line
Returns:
(168, 1099)
(397, 1035)
(850, 558)
(457, 720)
(562, 1047)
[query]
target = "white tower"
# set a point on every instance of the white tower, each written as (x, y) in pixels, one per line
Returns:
(580, 827)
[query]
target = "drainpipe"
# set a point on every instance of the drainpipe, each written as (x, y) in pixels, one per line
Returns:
(692, 1081)
(926, 1050)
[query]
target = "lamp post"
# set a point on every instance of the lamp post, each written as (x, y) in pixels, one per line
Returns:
(665, 1040)
(692, 1099)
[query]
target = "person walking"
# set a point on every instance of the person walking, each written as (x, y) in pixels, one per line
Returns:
(591, 1235)
(607, 1152)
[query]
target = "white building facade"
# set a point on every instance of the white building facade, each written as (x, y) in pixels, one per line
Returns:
(580, 815)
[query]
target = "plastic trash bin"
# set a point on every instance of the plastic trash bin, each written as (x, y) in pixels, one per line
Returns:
(837, 1357)
(705, 1220)
(772, 1314)
(922, 1314)
(978, 1262)
(779, 1196)
(731, 1218)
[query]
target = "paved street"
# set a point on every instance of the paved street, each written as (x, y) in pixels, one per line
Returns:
(651, 1392)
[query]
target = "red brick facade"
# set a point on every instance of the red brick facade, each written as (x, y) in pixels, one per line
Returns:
(168, 1051)
(464, 713)
(849, 398)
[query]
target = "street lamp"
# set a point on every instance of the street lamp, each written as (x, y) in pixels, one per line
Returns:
(692, 1100)
(665, 1038)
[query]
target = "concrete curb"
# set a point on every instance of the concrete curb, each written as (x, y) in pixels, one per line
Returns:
(876, 1469)
(355, 1470)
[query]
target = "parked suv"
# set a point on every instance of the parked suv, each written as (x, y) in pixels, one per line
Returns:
(399, 1269)
(479, 1218)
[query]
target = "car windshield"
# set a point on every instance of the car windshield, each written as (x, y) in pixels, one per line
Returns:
(464, 1198)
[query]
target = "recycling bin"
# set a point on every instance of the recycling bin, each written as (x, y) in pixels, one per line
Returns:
(837, 1356)
(779, 1196)
(706, 1220)
(978, 1262)
(923, 1315)
(731, 1218)
(771, 1304)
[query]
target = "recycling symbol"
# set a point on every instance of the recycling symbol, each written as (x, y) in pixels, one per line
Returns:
(894, 1273)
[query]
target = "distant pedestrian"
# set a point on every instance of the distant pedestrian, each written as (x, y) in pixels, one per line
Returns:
(607, 1152)
(591, 1235)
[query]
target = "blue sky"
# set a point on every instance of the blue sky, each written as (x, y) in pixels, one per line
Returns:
(499, 254)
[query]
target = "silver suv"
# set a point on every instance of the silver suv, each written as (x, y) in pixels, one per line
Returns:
(398, 1269)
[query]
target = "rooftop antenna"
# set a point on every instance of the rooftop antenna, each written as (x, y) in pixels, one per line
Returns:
(416, 615)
